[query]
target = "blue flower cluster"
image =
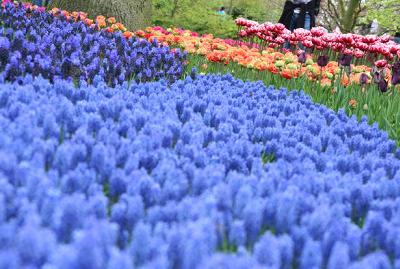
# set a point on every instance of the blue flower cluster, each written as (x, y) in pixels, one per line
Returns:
(34, 42)
(211, 172)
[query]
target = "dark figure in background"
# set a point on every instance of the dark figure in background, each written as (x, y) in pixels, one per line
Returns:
(397, 38)
(300, 14)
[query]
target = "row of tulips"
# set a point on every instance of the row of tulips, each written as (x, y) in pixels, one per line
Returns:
(362, 47)
(377, 51)
(288, 65)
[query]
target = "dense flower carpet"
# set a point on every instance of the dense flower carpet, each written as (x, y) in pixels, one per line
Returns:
(110, 158)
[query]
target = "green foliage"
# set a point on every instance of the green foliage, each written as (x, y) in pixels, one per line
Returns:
(258, 10)
(196, 15)
(386, 12)
(201, 15)
(268, 158)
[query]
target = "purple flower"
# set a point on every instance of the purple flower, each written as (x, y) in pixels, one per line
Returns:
(302, 57)
(396, 78)
(345, 59)
(322, 60)
(363, 79)
(383, 85)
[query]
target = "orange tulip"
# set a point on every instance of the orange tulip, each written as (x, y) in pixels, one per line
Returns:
(287, 74)
(88, 22)
(127, 34)
(111, 20)
(100, 18)
(261, 66)
(345, 80)
(272, 68)
(353, 103)
(326, 82)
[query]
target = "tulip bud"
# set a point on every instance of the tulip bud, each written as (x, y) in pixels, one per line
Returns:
(363, 79)
(353, 103)
(381, 63)
(322, 61)
(345, 59)
(396, 67)
(383, 85)
(302, 57)
(396, 78)
(193, 73)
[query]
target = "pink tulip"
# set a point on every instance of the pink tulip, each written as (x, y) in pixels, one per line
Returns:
(369, 39)
(308, 44)
(279, 27)
(356, 45)
(279, 40)
(385, 38)
(358, 53)
(318, 31)
(346, 38)
(362, 46)
(347, 51)
(381, 63)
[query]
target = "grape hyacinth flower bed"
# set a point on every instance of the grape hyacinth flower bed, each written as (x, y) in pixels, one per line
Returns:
(210, 172)
(36, 42)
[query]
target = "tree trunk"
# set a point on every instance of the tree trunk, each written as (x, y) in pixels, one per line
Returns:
(230, 7)
(134, 14)
(174, 8)
(349, 16)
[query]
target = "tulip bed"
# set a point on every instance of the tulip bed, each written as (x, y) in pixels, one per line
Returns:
(205, 171)
(287, 65)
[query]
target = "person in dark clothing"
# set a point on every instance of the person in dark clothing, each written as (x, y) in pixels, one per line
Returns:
(397, 37)
(299, 14)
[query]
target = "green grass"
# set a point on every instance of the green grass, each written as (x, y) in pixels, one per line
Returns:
(382, 108)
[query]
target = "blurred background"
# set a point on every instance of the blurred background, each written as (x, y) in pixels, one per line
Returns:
(217, 16)
(357, 16)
